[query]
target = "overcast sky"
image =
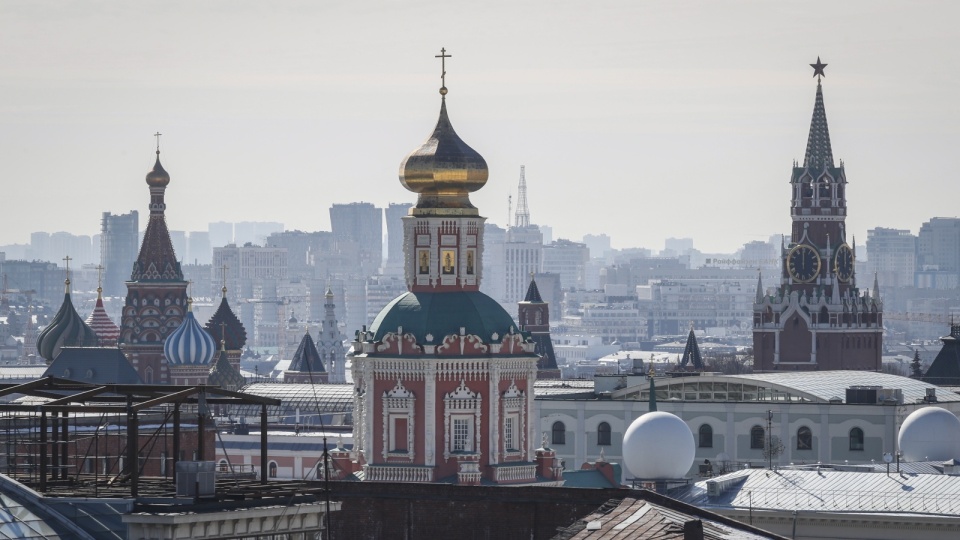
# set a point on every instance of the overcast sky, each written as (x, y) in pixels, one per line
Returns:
(640, 119)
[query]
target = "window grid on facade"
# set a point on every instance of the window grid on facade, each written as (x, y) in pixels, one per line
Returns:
(706, 436)
(461, 435)
(756, 437)
(558, 433)
(856, 440)
(804, 439)
(603, 434)
(509, 437)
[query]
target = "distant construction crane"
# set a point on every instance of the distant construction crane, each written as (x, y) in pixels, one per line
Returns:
(4, 298)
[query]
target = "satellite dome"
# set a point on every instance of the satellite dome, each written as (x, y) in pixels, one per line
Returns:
(931, 434)
(658, 445)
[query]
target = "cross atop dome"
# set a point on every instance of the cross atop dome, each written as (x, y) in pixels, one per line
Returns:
(443, 70)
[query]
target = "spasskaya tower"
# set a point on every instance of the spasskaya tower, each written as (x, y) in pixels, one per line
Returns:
(817, 318)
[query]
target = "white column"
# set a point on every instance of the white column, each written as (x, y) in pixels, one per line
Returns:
(730, 439)
(532, 417)
(813, 345)
(824, 455)
(369, 421)
(580, 448)
(776, 345)
(430, 413)
(493, 430)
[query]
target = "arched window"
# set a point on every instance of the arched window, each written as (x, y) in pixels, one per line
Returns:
(272, 468)
(223, 465)
(706, 436)
(558, 433)
(856, 440)
(756, 437)
(804, 439)
(603, 434)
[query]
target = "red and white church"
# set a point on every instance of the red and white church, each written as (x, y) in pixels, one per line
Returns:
(443, 377)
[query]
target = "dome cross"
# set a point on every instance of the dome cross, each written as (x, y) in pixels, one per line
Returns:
(158, 135)
(443, 69)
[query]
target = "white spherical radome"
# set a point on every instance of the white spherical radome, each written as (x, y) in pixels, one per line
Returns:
(658, 446)
(930, 433)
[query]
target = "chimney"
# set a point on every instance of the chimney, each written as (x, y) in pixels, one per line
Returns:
(693, 530)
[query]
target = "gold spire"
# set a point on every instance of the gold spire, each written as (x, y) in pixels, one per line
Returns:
(99, 282)
(223, 273)
(66, 282)
(158, 177)
(444, 170)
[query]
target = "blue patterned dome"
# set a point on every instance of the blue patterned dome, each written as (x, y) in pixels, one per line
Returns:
(189, 344)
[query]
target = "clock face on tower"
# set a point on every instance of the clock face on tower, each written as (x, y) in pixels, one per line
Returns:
(843, 263)
(803, 263)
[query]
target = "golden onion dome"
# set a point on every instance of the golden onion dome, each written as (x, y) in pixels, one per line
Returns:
(444, 170)
(158, 177)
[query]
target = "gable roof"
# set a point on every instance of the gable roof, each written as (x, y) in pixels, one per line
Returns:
(96, 365)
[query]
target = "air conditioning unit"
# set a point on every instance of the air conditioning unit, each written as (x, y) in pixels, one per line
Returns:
(931, 395)
(713, 488)
(196, 478)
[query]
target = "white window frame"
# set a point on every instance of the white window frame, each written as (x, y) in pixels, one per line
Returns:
(398, 403)
(461, 404)
(512, 406)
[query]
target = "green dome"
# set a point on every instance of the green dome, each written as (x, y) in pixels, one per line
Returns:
(442, 314)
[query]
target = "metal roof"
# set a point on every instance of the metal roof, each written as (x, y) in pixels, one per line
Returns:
(825, 385)
(308, 399)
(563, 388)
(642, 519)
(812, 386)
(831, 491)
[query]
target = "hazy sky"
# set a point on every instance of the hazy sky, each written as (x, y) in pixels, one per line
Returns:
(641, 119)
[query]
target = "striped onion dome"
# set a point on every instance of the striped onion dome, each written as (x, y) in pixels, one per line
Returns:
(189, 344)
(66, 329)
(106, 330)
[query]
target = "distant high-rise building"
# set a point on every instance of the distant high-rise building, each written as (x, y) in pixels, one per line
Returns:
(674, 247)
(362, 224)
(179, 241)
(303, 250)
(221, 233)
(493, 282)
(568, 260)
(938, 254)
(118, 250)
(394, 214)
(523, 249)
(598, 244)
(254, 232)
(892, 255)
(199, 248)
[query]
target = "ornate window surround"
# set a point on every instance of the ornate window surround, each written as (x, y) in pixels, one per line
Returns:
(512, 405)
(461, 403)
(398, 403)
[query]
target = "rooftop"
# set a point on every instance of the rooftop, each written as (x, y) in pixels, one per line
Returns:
(830, 491)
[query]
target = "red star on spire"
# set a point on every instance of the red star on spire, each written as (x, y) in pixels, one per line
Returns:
(818, 69)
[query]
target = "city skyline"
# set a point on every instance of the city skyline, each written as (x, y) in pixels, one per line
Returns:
(648, 115)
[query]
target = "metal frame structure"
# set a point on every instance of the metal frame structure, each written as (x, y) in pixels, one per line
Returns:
(129, 400)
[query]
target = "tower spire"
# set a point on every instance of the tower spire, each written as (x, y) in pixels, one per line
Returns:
(522, 217)
(819, 153)
(759, 298)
